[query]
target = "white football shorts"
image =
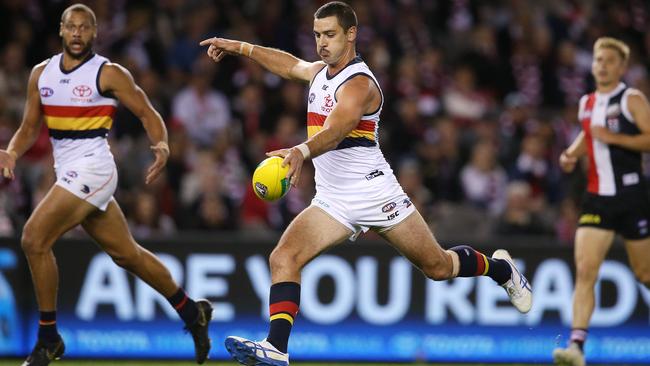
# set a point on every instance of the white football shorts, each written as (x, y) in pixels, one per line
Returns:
(379, 206)
(94, 183)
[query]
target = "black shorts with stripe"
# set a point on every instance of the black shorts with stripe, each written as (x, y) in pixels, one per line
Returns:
(626, 213)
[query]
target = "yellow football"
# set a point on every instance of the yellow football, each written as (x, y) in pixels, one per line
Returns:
(270, 181)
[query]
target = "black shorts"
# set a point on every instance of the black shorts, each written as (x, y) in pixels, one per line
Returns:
(626, 214)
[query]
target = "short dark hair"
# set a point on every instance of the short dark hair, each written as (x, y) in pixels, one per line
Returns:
(81, 8)
(344, 13)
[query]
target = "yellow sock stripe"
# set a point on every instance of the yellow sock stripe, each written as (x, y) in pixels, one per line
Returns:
(487, 265)
(284, 316)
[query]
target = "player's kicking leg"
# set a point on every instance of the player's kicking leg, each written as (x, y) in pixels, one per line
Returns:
(310, 233)
(413, 238)
(111, 231)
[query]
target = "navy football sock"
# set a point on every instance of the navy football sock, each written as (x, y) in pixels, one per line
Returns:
(185, 306)
(47, 330)
(473, 264)
(283, 305)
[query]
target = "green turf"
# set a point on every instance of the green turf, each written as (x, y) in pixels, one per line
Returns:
(219, 363)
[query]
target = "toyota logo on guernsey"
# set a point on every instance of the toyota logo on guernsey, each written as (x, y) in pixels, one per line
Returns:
(82, 91)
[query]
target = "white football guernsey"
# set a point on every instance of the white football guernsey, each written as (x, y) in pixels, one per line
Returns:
(77, 115)
(358, 154)
(354, 183)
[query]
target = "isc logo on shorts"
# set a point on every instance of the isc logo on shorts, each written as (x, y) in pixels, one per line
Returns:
(590, 219)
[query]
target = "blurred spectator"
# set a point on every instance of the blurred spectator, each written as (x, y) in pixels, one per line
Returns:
(201, 110)
(515, 121)
(287, 134)
(483, 180)
(13, 79)
(471, 89)
(567, 223)
(463, 102)
(570, 75)
(519, 217)
(148, 220)
(197, 19)
(137, 40)
(213, 212)
(531, 165)
(410, 178)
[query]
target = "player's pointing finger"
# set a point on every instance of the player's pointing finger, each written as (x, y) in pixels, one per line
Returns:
(208, 41)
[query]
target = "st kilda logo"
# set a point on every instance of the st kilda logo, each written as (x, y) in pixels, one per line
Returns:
(82, 91)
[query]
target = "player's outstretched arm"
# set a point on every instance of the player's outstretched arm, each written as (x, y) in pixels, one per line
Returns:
(118, 81)
(640, 110)
(30, 126)
(276, 61)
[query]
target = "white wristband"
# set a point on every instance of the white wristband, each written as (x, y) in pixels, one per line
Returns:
(304, 149)
(163, 146)
(243, 46)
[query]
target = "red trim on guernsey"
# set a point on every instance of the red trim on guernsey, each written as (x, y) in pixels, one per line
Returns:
(592, 174)
(365, 126)
(79, 112)
(289, 307)
(480, 264)
(315, 119)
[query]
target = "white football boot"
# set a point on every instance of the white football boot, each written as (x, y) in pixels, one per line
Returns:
(517, 287)
(252, 353)
(570, 356)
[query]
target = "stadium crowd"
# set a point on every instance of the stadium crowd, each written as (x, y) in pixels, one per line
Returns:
(480, 99)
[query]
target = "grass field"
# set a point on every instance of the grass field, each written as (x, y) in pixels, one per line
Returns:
(220, 363)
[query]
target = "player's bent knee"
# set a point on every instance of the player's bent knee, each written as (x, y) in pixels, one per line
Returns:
(586, 273)
(282, 260)
(31, 245)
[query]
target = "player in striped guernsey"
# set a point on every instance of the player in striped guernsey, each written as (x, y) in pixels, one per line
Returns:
(615, 130)
(356, 188)
(76, 93)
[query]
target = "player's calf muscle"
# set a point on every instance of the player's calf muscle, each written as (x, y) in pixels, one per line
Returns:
(440, 269)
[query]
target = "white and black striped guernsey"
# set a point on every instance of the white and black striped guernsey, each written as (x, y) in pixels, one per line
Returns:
(612, 169)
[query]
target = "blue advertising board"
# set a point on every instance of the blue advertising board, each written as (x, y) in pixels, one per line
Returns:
(358, 302)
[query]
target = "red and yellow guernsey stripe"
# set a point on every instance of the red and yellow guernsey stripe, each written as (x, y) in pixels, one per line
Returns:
(69, 118)
(362, 135)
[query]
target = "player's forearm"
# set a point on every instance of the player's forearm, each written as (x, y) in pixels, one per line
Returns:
(639, 142)
(325, 140)
(276, 61)
(23, 139)
(578, 147)
(155, 128)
